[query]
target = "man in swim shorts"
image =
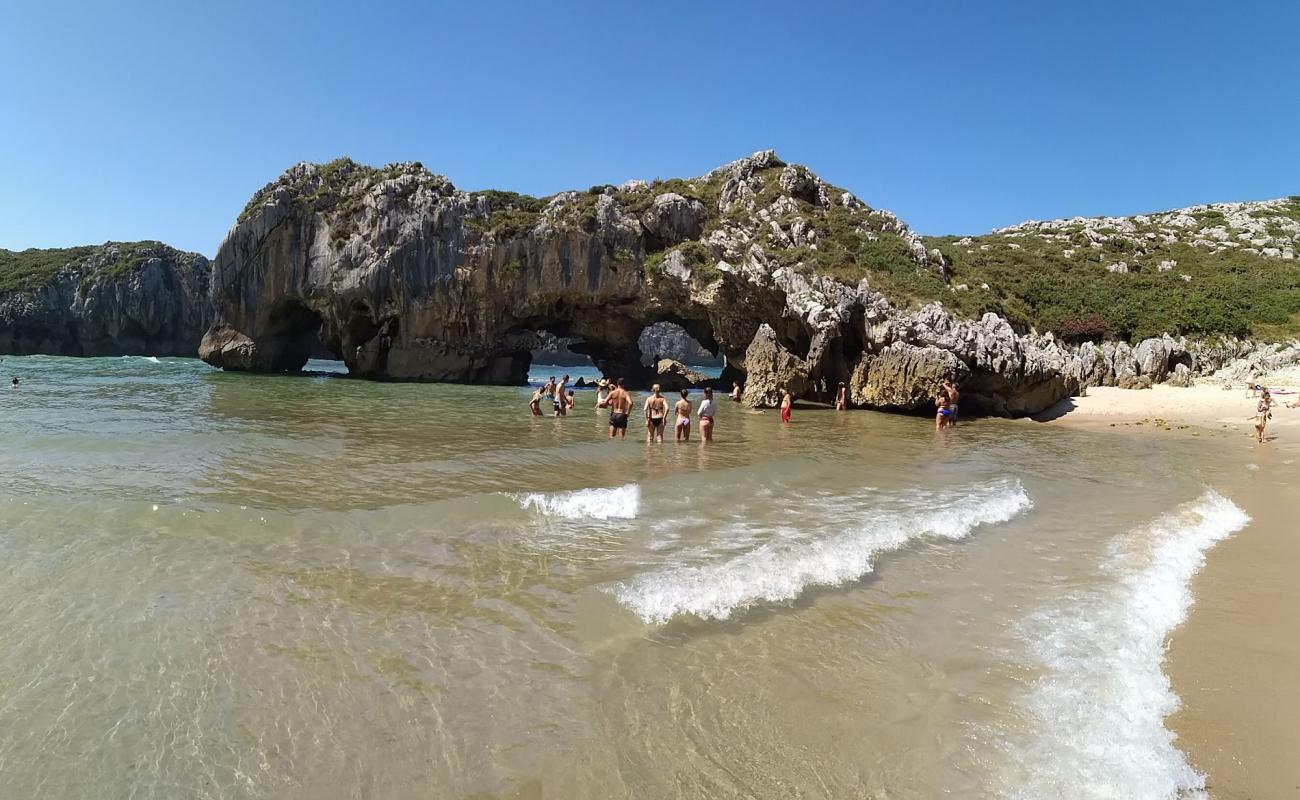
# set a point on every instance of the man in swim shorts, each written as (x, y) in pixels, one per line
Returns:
(656, 413)
(561, 399)
(950, 389)
(620, 405)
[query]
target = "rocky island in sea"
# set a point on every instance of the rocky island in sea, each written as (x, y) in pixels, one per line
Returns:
(786, 279)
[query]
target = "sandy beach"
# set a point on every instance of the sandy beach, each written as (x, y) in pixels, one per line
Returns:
(1232, 661)
(1202, 406)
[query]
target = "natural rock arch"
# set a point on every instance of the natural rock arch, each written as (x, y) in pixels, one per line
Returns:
(412, 279)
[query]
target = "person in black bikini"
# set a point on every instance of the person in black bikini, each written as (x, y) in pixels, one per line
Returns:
(656, 411)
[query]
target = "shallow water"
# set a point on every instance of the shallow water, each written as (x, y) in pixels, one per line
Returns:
(223, 585)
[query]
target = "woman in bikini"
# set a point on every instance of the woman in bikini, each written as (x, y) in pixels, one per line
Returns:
(656, 411)
(682, 429)
(707, 409)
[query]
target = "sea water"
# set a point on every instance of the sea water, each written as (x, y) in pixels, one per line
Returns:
(238, 586)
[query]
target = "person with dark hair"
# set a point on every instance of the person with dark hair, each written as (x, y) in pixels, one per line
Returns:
(842, 397)
(735, 391)
(950, 389)
(620, 405)
(561, 399)
(1263, 412)
(706, 411)
(682, 428)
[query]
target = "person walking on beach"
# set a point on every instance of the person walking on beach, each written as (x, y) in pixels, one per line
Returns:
(620, 405)
(656, 412)
(950, 389)
(561, 401)
(1262, 413)
(535, 404)
(682, 426)
(735, 391)
(842, 397)
(787, 403)
(706, 412)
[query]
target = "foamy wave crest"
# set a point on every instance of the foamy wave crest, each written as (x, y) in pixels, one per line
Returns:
(620, 502)
(1099, 711)
(782, 569)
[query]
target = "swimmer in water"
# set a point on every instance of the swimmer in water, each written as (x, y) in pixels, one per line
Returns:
(735, 391)
(787, 404)
(682, 428)
(602, 394)
(15, 383)
(569, 403)
(535, 404)
(656, 412)
(842, 397)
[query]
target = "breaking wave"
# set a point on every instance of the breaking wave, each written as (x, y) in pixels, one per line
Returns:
(1098, 714)
(783, 567)
(620, 502)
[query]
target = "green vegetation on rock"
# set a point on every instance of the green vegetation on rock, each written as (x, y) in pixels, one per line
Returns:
(1149, 278)
(28, 271)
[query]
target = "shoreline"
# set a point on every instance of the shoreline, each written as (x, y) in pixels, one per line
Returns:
(1231, 661)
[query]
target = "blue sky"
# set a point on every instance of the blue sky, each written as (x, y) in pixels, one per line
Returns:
(134, 120)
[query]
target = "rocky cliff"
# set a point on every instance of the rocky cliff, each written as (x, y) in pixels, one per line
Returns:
(789, 279)
(119, 298)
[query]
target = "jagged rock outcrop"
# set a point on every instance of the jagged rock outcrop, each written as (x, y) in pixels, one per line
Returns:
(406, 277)
(133, 298)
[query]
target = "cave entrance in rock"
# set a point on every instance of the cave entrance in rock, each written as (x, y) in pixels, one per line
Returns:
(294, 336)
(553, 353)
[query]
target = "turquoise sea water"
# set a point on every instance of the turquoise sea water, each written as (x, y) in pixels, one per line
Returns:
(240, 586)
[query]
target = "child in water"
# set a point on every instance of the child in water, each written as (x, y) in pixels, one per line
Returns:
(535, 404)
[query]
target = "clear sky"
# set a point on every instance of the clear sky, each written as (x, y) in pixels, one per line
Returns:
(157, 120)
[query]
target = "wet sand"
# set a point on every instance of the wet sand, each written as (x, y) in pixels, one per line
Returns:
(1233, 661)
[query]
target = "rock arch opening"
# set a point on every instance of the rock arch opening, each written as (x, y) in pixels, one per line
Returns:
(293, 335)
(672, 340)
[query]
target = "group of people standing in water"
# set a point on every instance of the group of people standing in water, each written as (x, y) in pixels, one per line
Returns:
(614, 396)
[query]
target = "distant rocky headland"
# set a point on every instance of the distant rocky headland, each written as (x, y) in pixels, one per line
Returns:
(786, 278)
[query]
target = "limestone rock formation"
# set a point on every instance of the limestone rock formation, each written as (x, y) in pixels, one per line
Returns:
(119, 298)
(406, 277)
(673, 376)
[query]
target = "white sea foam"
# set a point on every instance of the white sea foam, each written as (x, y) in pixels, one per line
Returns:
(1098, 714)
(620, 502)
(783, 567)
